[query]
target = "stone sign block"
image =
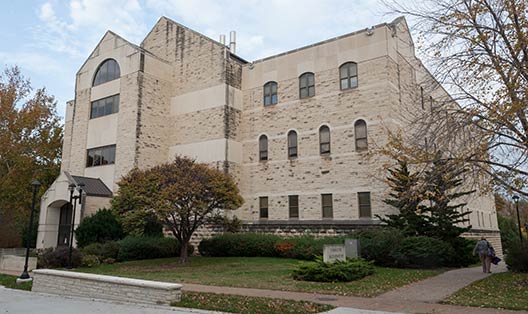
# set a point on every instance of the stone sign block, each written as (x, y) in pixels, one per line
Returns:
(352, 249)
(333, 252)
(16, 263)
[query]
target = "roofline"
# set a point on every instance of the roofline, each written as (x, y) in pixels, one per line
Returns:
(388, 25)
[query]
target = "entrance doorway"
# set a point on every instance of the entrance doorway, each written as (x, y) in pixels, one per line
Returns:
(65, 225)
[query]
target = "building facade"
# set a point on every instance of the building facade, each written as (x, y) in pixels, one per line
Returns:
(296, 130)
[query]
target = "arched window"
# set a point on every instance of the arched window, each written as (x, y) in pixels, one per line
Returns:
(306, 85)
(292, 144)
(263, 147)
(348, 75)
(107, 71)
(270, 94)
(324, 140)
(360, 132)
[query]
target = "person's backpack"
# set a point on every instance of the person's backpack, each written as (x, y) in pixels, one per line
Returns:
(491, 251)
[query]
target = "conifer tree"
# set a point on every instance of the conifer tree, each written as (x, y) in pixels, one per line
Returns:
(407, 198)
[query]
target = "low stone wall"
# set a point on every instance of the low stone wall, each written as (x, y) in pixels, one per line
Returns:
(105, 287)
(16, 263)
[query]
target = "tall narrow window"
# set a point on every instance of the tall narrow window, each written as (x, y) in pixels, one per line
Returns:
(422, 97)
(360, 132)
(293, 204)
(348, 75)
(431, 103)
(263, 207)
(270, 93)
(324, 140)
(364, 205)
(263, 147)
(107, 71)
(328, 209)
(306, 85)
(292, 144)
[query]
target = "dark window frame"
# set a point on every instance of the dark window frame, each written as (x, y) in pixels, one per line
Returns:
(422, 97)
(292, 144)
(349, 76)
(263, 211)
(304, 85)
(101, 77)
(359, 124)
(271, 96)
(101, 105)
(100, 156)
(324, 147)
(365, 205)
(293, 206)
(327, 209)
(263, 151)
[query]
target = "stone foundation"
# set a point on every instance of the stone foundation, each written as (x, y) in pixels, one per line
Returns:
(102, 287)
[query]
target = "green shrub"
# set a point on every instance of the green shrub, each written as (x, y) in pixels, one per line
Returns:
(463, 253)
(378, 245)
(58, 257)
(100, 227)
(92, 249)
(240, 244)
(423, 252)
(109, 260)
(308, 247)
(110, 249)
(138, 248)
(90, 261)
(339, 271)
(517, 257)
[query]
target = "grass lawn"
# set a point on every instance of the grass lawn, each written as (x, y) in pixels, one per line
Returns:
(241, 304)
(502, 291)
(257, 272)
(10, 282)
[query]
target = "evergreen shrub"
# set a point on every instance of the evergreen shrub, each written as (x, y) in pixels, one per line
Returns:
(100, 227)
(339, 271)
(139, 248)
(517, 257)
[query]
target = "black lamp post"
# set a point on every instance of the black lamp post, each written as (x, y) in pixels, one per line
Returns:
(25, 275)
(516, 199)
(74, 199)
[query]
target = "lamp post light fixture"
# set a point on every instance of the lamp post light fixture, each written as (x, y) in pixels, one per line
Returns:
(516, 199)
(25, 275)
(72, 230)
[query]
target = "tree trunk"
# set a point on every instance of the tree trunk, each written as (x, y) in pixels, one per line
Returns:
(183, 251)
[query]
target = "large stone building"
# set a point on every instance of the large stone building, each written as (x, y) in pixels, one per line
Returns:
(296, 130)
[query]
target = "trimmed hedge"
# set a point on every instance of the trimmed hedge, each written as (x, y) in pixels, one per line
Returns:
(423, 252)
(379, 245)
(139, 248)
(339, 271)
(58, 257)
(265, 245)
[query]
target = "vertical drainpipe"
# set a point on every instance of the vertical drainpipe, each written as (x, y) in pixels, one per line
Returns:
(226, 111)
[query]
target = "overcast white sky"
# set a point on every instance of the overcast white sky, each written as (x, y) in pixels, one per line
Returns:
(50, 39)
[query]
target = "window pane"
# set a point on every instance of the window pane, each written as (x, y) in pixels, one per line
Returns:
(97, 157)
(327, 205)
(304, 92)
(274, 88)
(274, 99)
(344, 83)
(311, 79)
(90, 158)
(343, 72)
(109, 106)
(100, 108)
(292, 139)
(263, 143)
(116, 103)
(353, 82)
(361, 129)
(311, 91)
(303, 81)
(353, 69)
(327, 199)
(267, 101)
(93, 113)
(267, 89)
(361, 144)
(324, 134)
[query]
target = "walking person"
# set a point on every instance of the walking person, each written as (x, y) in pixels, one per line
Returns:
(486, 253)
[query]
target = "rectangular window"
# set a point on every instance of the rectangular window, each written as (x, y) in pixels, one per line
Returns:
(293, 203)
(101, 156)
(328, 209)
(364, 205)
(422, 97)
(263, 207)
(104, 106)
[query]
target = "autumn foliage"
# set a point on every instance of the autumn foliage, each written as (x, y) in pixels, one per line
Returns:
(183, 195)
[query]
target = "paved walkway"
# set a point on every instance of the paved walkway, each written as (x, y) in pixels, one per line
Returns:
(412, 298)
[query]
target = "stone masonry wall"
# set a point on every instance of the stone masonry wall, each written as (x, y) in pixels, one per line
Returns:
(103, 289)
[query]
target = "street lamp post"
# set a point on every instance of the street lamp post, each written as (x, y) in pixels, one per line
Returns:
(516, 199)
(74, 198)
(25, 275)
